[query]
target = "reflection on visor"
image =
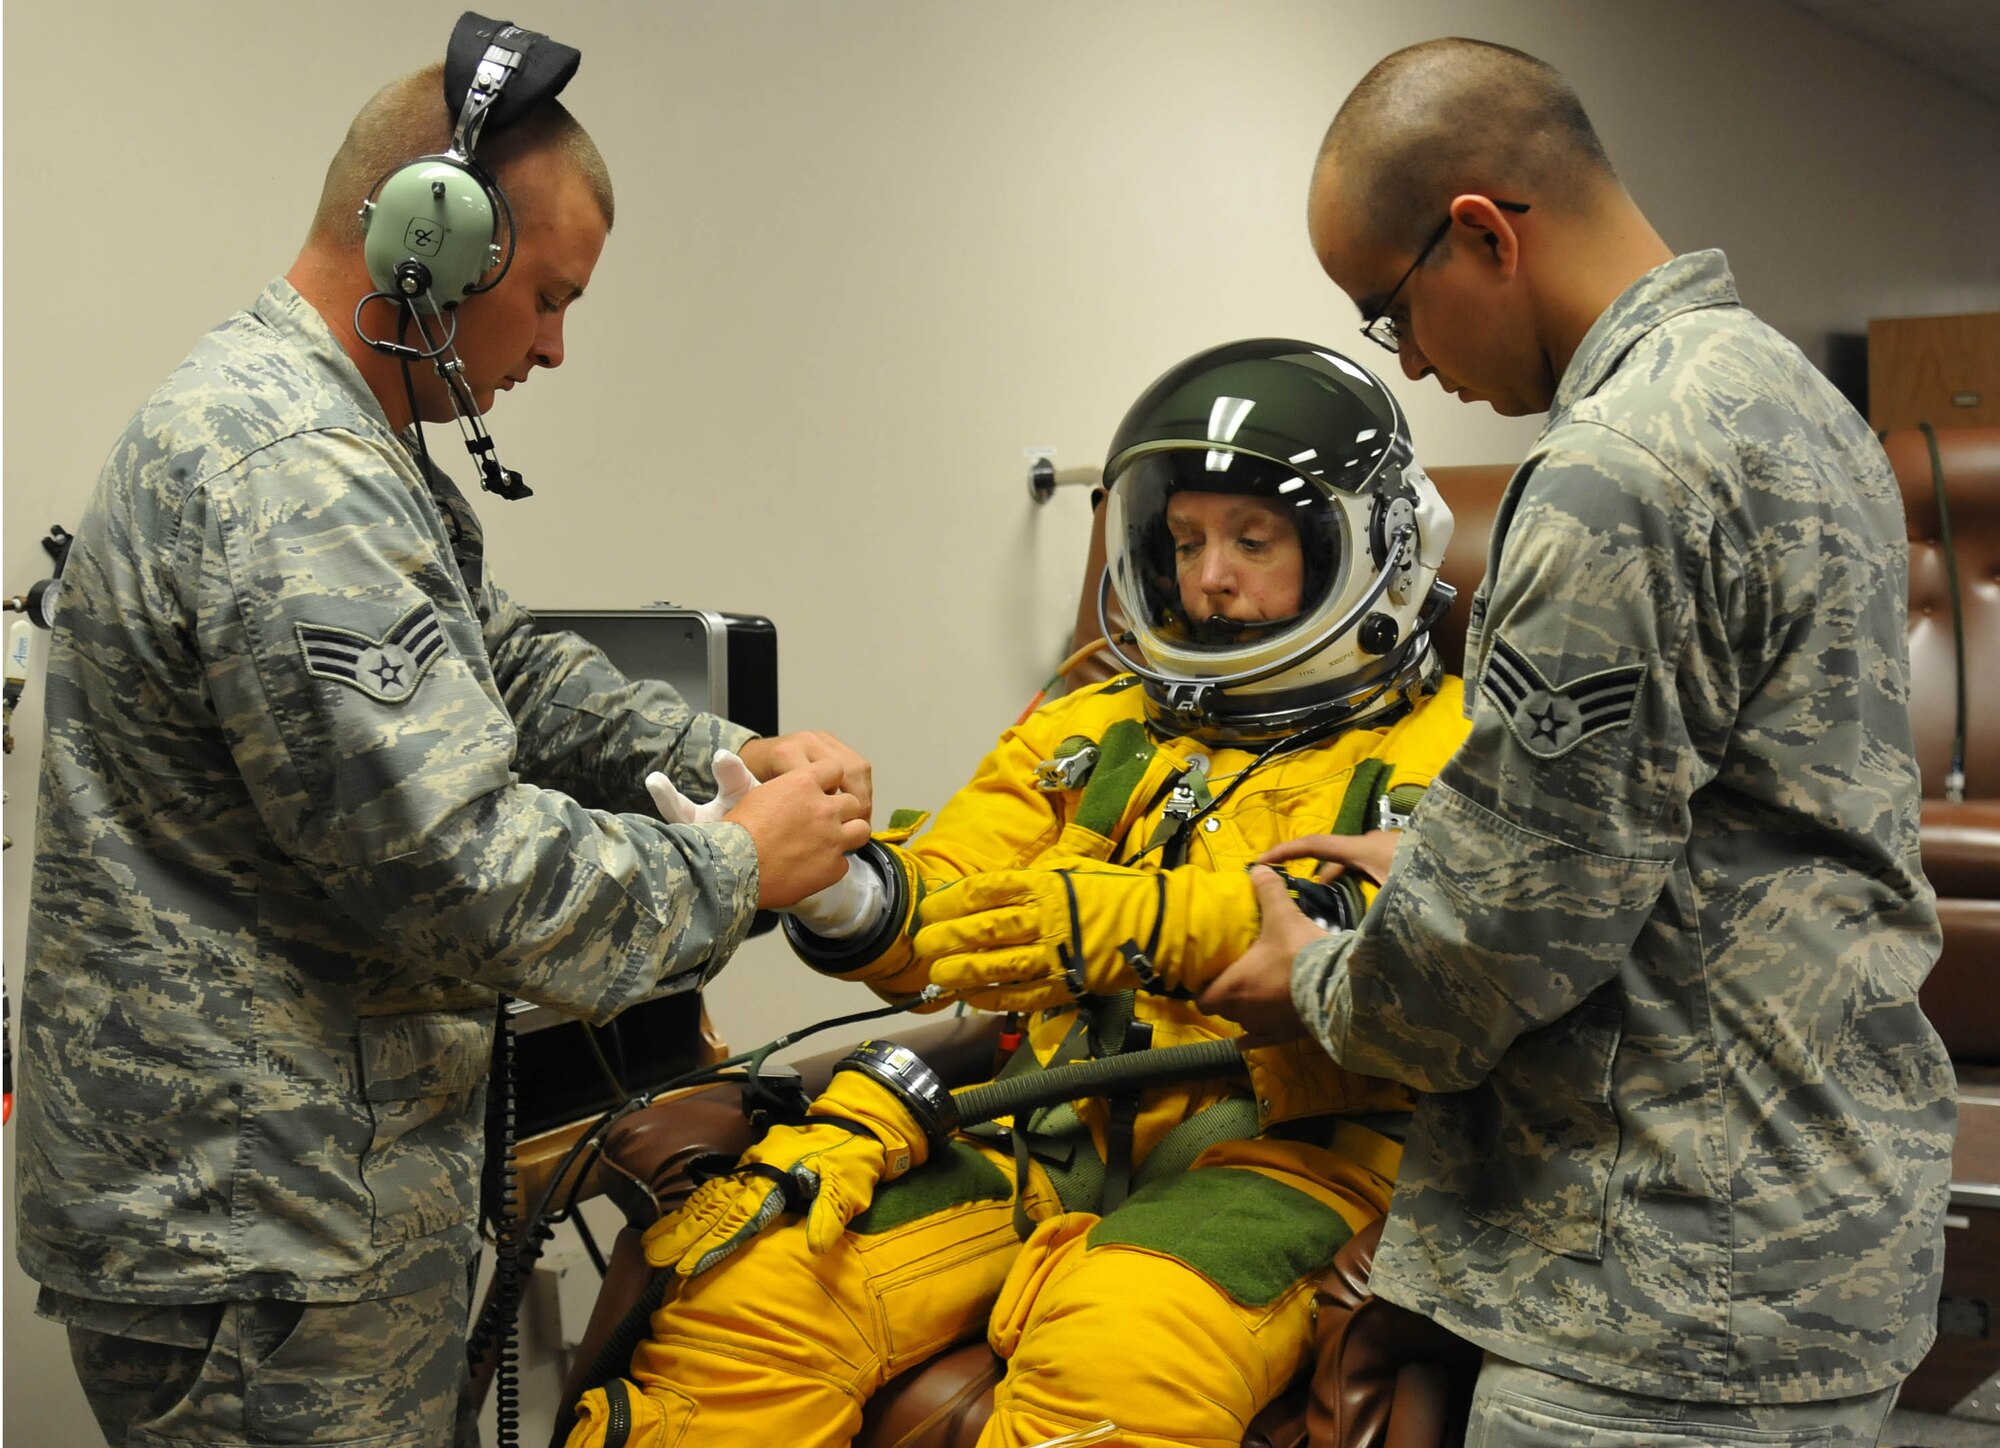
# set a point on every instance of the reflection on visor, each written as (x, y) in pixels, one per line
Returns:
(1372, 454)
(1328, 417)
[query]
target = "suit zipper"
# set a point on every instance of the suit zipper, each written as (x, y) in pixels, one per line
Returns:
(617, 1414)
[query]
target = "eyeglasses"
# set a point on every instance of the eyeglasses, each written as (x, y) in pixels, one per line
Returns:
(1381, 328)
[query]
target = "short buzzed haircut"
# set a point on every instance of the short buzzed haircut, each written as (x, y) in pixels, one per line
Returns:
(1450, 116)
(409, 118)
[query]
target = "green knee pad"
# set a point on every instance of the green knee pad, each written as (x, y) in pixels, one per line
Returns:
(1251, 1236)
(953, 1178)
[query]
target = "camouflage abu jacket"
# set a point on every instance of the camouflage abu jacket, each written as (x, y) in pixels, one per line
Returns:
(1655, 939)
(309, 800)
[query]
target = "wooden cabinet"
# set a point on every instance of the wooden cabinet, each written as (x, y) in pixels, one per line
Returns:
(1940, 370)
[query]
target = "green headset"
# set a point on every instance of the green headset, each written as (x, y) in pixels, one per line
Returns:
(434, 225)
(438, 229)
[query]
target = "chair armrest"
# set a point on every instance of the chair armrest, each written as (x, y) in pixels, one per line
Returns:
(961, 1049)
(1363, 1346)
(1961, 847)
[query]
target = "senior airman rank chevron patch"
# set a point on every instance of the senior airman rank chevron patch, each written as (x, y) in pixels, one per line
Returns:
(388, 668)
(1549, 719)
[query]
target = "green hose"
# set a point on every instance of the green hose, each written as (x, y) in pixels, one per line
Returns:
(1134, 1069)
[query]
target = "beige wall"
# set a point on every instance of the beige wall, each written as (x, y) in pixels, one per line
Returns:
(867, 254)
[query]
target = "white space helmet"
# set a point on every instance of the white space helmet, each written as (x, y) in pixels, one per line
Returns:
(1273, 544)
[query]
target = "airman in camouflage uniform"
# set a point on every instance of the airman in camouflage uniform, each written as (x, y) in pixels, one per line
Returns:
(1653, 941)
(310, 804)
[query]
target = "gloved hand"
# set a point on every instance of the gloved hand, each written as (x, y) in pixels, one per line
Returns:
(851, 905)
(733, 780)
(826, 1169)
(1019, 940)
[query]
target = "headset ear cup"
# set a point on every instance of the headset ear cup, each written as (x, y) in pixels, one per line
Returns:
(437, 213)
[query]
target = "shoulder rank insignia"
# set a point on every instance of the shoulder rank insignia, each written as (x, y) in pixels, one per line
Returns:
(1552, 719)
(388, 668)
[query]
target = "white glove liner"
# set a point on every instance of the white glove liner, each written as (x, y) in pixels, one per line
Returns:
(733, 780)
(851, 905)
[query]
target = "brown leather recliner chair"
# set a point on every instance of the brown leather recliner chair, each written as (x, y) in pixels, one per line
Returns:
(1961, 839)
(1961, 851)
(1381, 1377)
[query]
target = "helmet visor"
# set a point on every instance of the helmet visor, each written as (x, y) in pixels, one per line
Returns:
(1216, 551)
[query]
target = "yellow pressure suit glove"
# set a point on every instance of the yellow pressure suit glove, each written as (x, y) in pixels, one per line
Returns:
(883, 1113)
(1020, 940)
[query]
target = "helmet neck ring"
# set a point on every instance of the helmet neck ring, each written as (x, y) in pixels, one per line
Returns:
(1184, 707)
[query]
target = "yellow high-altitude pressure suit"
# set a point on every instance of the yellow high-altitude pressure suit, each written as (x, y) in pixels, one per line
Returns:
(1178, 1310)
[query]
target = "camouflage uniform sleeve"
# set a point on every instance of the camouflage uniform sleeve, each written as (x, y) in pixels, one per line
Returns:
(583, 727)
(347, 671)
(1606, 686)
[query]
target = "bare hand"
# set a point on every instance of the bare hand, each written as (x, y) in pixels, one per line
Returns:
(803, 825)
(1370, 853)
(769, 758)
(1255, 990)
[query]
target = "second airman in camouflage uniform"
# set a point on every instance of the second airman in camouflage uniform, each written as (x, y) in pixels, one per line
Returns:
(1653, 942)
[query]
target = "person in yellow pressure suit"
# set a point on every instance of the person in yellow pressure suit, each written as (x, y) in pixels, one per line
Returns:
(1146, 1259)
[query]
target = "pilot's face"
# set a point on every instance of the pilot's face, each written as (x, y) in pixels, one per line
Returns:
(1235, 557)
